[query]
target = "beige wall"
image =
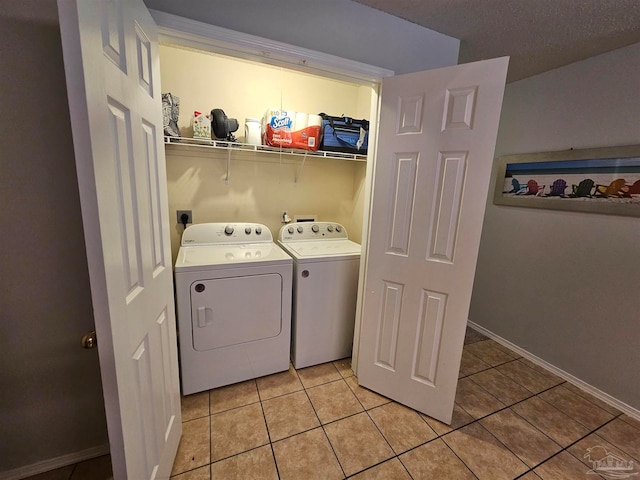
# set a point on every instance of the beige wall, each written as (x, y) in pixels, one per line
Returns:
(244, 89)
(564, 285)
(261, 186)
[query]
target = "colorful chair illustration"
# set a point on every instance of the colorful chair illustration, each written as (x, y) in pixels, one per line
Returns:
(533, 188)
(615, 189)
(557, 188)
(517, 188)
(583, 189)
(634, 189)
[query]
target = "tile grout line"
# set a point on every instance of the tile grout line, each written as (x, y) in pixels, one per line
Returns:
(478, 420)
(73, 470)
(438, 436)
(562, 448)
(575, 419)
(211, 461)
(380, 463)
(378, 428)
(458, 457)
(210, 436)
(591, 431)
(506, 447)
(266, 425)
(273, 454)
(364, 410)
(620, 415)
(531, 469)
(594, 432)
(581, 393)
(508, 406)
(516, 413)
(490, 367)
(396, 455)
(333, 421)
(344, 474)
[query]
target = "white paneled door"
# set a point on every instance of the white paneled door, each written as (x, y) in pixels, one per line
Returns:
(437, 135)
(113, 81)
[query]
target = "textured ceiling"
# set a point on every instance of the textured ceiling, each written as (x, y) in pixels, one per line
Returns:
(538, 35)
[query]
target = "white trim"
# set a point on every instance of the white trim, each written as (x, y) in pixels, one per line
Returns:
(376, 105)
(185, 32)
(582, 385)
(54, 463)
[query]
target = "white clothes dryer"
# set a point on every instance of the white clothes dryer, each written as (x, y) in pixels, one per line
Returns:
(233, 292)
(325, 288)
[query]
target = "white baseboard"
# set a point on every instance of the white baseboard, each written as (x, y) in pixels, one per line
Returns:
(53, 463)
(599, 394)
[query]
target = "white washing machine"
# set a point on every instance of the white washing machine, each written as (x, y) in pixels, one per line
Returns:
(233, 292)
(325, 287)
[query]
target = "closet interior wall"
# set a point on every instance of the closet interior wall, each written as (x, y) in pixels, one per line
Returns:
(260, 186)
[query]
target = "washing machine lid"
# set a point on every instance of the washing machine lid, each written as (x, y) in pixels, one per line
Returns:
(205, 257)
(322, 249)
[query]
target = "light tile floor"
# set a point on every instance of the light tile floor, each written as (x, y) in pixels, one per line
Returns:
(512, 419)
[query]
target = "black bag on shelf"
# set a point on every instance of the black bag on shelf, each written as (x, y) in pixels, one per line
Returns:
(344, 134)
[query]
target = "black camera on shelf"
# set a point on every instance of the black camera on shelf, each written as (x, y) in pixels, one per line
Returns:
(222, 127)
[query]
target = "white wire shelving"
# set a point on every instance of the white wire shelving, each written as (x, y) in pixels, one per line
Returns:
(201, 145)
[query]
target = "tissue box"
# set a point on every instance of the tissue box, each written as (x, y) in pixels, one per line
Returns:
(288, 129)
(201, 126)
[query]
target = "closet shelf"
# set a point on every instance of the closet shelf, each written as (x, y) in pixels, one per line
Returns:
(196, 143)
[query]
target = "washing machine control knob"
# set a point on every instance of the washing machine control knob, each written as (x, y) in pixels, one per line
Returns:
(338, 228)
(300, 229)
(290, 230)
(228, 230)
(258, 230)
(329, 228)
(247, 230)
(315, 229)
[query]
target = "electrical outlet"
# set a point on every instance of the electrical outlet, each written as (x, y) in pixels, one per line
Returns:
(187, 213)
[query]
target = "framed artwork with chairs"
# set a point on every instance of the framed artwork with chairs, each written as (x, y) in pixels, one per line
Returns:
(598, 180)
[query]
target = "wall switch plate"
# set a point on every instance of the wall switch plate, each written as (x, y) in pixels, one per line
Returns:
(184, 212)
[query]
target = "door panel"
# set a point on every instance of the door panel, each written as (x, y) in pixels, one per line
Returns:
(442, 232)
(430, 322)
(403, 195)
(387, 341)
(112, 69)
(436, 141)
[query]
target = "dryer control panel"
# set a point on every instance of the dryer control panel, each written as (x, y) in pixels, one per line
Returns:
(294, 232)
(225, 233)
